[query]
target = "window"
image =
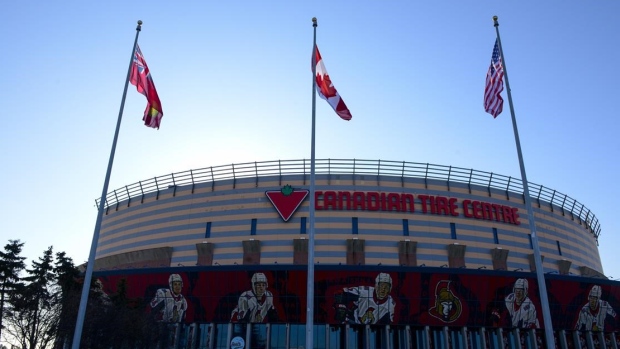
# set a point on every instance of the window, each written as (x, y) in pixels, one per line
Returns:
(253, 229)
(399, 337)
(438, 338)
(297, 336)
(456, 339)
(355, 336)
(421, 337)
(494, 338)
(378, 337)
(405, 227)
(337, 337)
(475, 338)
(258, 336)
(239, 330)
(453, 231)
(302, 227)
(354, 225)
(559, 248)
(221, 333)
(208, 230)
(277, 334)
(319, 339)
(531, 244)
(203, 335)
(495, 237)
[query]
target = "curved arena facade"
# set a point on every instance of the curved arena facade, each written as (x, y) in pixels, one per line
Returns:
(406, 255)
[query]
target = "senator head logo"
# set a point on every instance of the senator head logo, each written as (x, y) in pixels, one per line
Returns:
(448, 306)
(286, 200)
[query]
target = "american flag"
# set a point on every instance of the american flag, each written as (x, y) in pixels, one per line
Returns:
(493, 102)
(141, 78)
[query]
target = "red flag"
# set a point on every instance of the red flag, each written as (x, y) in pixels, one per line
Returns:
(493, 102)
(326, 89)
(141, 78)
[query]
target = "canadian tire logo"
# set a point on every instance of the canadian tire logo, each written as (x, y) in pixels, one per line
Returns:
(286, 200)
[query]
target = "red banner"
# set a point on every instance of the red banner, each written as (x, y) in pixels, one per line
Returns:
(433, 297)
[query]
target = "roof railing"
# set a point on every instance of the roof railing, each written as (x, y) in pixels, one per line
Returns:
(360, 167)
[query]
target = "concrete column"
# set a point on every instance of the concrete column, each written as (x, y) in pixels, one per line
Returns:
(499, 256)
(300, 251)
(564, 266)
(587, 271)
(205, 253)
(407, 255)
(356, 254)
(530, 258)
(456, 255)
(251, 252)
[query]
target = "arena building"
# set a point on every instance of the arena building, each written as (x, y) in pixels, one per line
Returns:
(407, 255)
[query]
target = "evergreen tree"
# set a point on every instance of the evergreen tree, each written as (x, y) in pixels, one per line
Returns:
(11, 264)
(35, 306)
(68, 295)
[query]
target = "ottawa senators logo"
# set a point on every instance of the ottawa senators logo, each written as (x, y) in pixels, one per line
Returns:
(447, 307)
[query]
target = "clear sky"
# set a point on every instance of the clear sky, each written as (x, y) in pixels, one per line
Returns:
(235, 84)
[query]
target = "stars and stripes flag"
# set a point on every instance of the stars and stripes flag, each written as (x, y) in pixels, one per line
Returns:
(326, 89)
(141, 77)
(493, 102)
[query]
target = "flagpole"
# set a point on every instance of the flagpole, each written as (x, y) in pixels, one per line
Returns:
(310, 282)
(77, 335)
(542, 287)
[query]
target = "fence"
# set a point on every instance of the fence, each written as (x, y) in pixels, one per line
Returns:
(377, 168)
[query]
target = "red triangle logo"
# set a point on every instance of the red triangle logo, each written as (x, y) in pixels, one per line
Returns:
(287, 200)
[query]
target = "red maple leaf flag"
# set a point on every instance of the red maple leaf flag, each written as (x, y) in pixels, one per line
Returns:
(141, 77)
(326, 89)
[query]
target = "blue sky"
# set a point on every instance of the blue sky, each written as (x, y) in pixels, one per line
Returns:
(235, 84)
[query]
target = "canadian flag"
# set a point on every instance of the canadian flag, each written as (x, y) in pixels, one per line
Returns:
(326, 89)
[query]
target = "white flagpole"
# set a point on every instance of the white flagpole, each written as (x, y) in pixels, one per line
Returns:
(540, 275)
(77, 335)
(310, 282)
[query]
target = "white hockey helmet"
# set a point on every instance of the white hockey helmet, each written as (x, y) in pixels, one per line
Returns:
(174, 277)
(521, 283)
(383, 277)
(259, 277)
(595, 291)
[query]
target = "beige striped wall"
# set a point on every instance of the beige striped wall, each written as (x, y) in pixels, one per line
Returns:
(178, 220)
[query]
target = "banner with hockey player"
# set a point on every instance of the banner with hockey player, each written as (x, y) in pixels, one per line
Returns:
(433, 297)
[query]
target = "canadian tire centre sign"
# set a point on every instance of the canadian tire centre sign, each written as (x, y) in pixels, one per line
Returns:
(287, 200)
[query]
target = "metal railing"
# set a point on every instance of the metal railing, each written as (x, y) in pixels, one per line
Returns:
(402, 169)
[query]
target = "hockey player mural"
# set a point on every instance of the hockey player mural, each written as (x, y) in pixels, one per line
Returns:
(521, 311)
(255, 305)
(366, 304)
(594, 313)
(433, 297)
(169, 303)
